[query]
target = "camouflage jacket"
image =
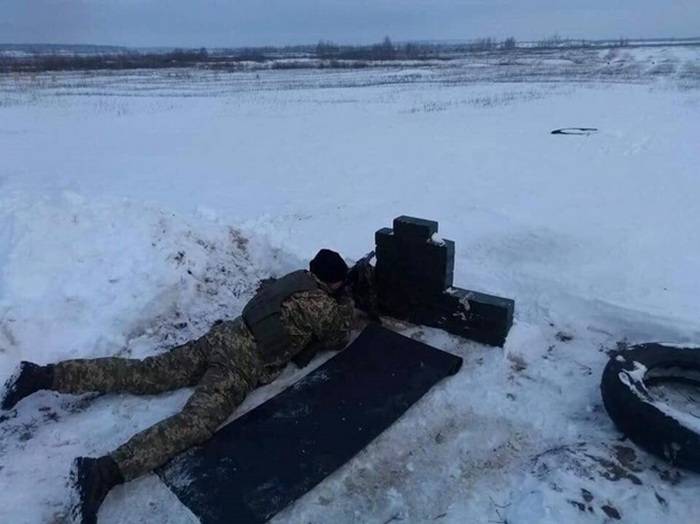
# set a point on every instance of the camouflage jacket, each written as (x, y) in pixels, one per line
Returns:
(315, 320)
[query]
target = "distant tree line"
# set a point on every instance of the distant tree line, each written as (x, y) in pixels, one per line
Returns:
(131, 60)
(409, 51)
(327, 54)
(386, 50)
(557, 42)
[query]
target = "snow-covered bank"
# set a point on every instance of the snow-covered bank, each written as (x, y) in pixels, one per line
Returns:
(133, 215)
(85, 278)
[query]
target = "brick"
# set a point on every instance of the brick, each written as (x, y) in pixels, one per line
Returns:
(405, 226)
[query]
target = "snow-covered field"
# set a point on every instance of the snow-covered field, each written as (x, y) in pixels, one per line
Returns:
(138, 208)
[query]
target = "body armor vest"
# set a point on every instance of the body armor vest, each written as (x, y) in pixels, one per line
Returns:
(263, 314)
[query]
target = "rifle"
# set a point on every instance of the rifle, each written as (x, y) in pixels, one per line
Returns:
(355, 273)
(362, 286)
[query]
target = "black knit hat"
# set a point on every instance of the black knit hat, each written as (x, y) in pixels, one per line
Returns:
(329, 266)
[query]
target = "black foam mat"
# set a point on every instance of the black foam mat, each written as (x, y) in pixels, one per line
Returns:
(263, 461)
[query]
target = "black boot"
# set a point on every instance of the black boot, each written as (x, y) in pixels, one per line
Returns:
(28, 378)
(91, 479)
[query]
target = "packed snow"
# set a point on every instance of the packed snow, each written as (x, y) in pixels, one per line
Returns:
(138, 208)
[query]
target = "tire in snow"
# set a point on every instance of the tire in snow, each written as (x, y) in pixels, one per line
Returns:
(652, 424)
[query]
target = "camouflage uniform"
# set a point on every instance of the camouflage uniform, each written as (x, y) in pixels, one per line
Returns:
(224, 366)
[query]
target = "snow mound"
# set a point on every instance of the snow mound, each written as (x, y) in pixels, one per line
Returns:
(85, 278)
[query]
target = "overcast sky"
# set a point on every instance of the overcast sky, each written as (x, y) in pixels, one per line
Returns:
(211, 23)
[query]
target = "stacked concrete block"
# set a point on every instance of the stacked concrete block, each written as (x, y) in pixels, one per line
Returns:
(414, 276)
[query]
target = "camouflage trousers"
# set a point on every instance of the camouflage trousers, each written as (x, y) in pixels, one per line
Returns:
(223, 366)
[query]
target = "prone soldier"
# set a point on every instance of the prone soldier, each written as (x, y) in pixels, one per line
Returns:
(288, 319)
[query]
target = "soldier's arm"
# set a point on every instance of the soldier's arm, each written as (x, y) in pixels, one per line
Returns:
(329, 319)
(364, 291)
(317, 322)
(333, 330)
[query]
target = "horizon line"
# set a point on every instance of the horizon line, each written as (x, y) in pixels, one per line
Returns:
(446, 41)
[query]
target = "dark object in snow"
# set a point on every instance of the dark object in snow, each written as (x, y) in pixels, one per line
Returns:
(27, 379)
(91, 479)
(261, 462)
(562, 336)
(575, 131)
(611, 512)
(414, 275)
(638, 415)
